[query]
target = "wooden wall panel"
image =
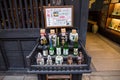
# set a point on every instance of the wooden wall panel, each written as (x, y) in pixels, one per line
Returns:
(26, 53)
(28, 45)
(2, 63)
(16, 51)
(15, 59)
(10, 45)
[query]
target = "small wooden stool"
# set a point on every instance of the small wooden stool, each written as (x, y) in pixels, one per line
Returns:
(50, 77)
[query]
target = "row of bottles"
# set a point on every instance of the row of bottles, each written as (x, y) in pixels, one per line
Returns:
(116, 10)
(58, 50)
(54, 42)
(58, 46)
(63, 37)
(59, 59)
(115, 24)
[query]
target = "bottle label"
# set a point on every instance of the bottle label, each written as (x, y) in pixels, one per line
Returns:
(45, 52)
(59, 60)
(65, 51)
(75, 51)
(58, 51)
(49, 62)
(42, 62)
(51, 52)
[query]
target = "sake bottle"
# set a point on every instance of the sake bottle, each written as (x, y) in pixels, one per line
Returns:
(75, 49)
(49, 60)
(59, 60)
(40, 59)
(65, 49)
(80, 58)
(58, 47)
(51, 48)
(45, 50)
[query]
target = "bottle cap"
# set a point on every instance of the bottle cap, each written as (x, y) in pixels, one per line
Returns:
(49, 57)
(63, 30)
(39, 55)
(52, 31)
(42, 31)
(74, 31)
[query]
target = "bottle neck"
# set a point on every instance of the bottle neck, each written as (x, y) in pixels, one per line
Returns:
(58, 44)
(51, 43)
(75, 44)
(66, 45)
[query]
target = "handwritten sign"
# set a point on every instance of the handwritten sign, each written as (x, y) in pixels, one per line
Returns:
(59, 16)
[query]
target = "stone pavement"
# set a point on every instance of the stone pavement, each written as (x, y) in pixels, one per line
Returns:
(92, 76)
(105, 58)
(19, 77)
(105, 61)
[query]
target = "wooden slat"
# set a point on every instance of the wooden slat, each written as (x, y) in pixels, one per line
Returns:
(31, 9)
(42, 15)
(63, 2)
(7, 14)
(58, 77)
(12, 15)
(46, 2)
(21, 51)
(2, 48)
(51, 2)
(3, 16)
(17, 16)
(37, 23)
(21, 9)
(0, 25)
(26, 9)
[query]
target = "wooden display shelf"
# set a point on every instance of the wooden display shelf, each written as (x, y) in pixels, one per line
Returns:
(58, 77)
(115, 16)
(59, 69)
(114, 29)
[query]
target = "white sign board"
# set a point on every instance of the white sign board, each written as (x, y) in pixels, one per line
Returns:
(58, 16)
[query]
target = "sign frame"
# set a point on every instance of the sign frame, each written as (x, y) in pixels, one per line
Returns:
(67, 20)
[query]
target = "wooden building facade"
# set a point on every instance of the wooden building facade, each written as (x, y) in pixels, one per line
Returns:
(20, 21)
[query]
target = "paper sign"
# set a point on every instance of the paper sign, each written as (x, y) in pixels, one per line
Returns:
(59, 17)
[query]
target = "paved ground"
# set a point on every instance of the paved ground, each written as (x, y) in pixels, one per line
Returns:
(105, 61)
(19, 77)
(105, 58)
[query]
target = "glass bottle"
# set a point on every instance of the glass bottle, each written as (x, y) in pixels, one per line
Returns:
(51, 48)
(75, 49)
(40, 59)
(43, 40)
(80, 58)
(73, 36)
(65, 49)
(59, 60)
(52, 36)
(58, 47)
(69, 60)
(49, 60)
(45, 50)
(63, 36)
